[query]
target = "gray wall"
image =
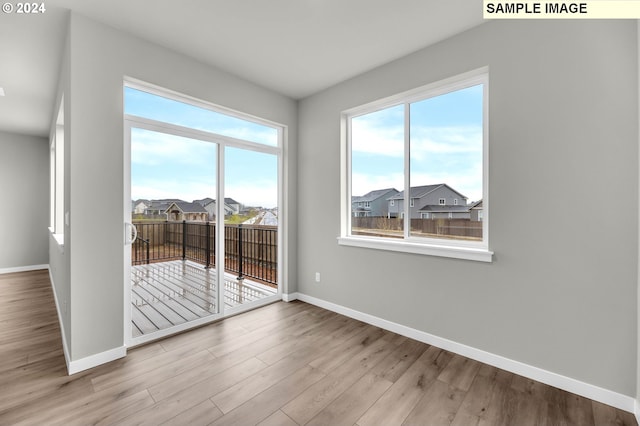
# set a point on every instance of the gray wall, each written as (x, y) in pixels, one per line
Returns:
(59, 260)
(638, 289)
(24, 185)
(100, 57)
(561, 292)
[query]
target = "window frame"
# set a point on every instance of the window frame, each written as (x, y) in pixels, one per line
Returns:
(460, 249)
(57, 178)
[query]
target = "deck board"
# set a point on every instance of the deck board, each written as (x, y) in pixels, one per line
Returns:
(167, 294)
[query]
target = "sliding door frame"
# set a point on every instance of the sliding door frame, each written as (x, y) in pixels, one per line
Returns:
(222, 142)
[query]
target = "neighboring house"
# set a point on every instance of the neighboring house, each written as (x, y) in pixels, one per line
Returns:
(204, 201)
(210, 206)
(182, 210)
(444, 212)
(372, 204)
(476, 211)
(140, 206)
(233, 204)
(440, 195)
(159, 207)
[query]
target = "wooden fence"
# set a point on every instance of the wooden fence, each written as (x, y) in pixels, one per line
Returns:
(455, 228)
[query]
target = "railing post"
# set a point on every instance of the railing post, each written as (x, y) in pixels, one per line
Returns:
(240, 277)
(208, 246)
(184, 239)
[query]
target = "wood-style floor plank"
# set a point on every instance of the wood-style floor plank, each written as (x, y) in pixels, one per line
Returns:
(284, 364)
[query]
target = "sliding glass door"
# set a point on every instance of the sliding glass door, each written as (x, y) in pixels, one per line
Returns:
(203, 227)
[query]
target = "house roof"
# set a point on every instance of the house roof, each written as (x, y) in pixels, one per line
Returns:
(204, 201)
(373, 195)
(421, 191)
(228, 200)
(187, 207)
(476, 205)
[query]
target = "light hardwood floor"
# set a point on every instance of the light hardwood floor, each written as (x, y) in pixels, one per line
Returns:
(284, 364)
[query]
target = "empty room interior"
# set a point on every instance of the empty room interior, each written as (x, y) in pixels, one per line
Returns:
(429, 217)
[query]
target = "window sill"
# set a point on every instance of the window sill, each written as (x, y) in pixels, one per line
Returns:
(466, 253)
(59, 239)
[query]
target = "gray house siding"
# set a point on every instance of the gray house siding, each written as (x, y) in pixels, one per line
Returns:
(372, 204)
(423, 196)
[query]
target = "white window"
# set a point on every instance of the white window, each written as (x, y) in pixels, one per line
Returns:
(56, 188)
(455, 201)
(403, 142)
(450, 215)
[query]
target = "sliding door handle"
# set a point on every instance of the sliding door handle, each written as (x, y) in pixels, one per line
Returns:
(130, 233)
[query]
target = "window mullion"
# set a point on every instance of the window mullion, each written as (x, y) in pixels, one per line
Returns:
(407, 171)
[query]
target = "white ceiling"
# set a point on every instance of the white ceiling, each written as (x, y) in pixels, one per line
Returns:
(295, 47)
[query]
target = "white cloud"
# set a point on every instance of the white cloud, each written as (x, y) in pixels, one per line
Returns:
(362, 183)
(445, 140)
(387, 141)
(158, 149)
(167, 188)
(262, 193)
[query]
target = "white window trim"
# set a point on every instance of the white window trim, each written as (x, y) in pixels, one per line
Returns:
(57, 195)
(459, 249)
(442, 202)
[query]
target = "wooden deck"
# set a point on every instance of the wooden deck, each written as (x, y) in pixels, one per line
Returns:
(167, 294)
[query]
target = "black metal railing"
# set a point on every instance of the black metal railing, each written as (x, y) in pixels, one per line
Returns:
(250, 250)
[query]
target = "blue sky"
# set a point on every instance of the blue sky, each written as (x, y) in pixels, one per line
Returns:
(446, 145)
(167, 166)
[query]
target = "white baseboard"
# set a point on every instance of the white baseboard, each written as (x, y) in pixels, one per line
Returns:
(23, 269)
(87, 362)
(637, 410)
(290, 297)
(605, 396)
(96, 360)
(65, 349)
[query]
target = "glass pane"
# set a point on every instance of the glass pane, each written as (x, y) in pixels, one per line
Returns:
(446, 139)
(251, 225)
(377, 173)
(173, 275)
(165, 166)
(147, 105)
